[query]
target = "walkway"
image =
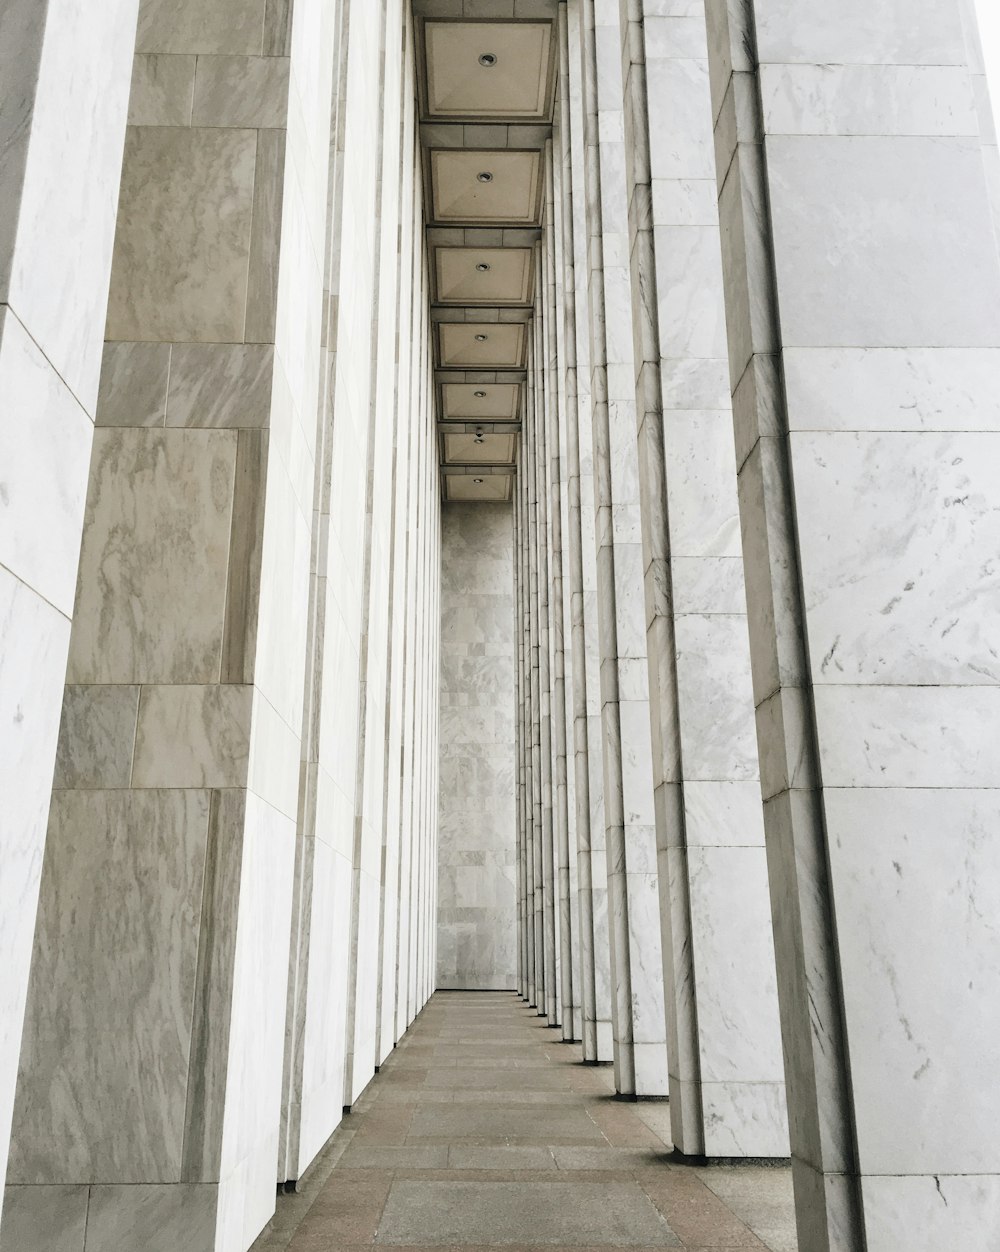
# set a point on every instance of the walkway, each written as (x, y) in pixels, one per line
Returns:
(484, 1128)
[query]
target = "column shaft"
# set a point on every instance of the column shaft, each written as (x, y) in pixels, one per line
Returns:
(726, 1080)
(863, 304)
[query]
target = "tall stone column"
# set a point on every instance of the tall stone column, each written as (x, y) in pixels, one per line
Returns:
(863, 301)
(726, 1081)
(65, 72)
(369, 804)
(569, 895)
(544, 609)
(528, 439)
(519, 771)
(637, 976)
(552, 475)
(160, 961)
(526, 805)
(588, 758)
(411, 299)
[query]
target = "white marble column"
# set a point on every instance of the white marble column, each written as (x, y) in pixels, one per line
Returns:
(528, 440)
(569, 910)
(520, 777)
(411, 297)
(726, 1079)
(588, 757)
(65, 74)
(544, 609)
(167, 885)
(863, 300)
(369, 799)
(638, 1017)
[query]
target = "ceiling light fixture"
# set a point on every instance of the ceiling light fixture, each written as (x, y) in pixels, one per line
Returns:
(479, 436)
(478, 482)
(488, 60)
(480, 395)
(485, 176)
(482, 267)
(481, 338)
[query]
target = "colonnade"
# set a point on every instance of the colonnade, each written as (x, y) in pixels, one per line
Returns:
(756, 548)
(219, 614)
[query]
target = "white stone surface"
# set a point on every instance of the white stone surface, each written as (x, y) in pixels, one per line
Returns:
(476, 862)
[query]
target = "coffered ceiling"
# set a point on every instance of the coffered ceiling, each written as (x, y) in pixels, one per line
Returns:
(486, 75)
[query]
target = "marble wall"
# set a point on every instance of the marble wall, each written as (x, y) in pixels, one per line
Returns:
(476, 859)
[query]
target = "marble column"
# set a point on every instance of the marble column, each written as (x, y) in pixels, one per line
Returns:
(569, 919)
(167, 882)
(65, 72)
(726, 1080)
(984, 107)
(369, 800)
(410, 298)
(528, 439)
(637, 977)
(539, 454)
(519, 743)
(587, 735)
(524, 728)
(313, 869)
(863, 303)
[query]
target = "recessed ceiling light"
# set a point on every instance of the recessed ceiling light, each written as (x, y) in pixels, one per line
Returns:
(485, 176)
(488, 60)
(480, 395)
(482, 267)
(481, 338)
(478, 482)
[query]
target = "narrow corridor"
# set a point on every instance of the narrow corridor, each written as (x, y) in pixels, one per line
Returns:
(483, 1128)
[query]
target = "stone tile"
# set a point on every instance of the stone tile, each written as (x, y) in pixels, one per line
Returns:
(54, 1218)
(616, 1214)
(504, 1158)
(178, 274)
(697, 1214)
(525, 1187)
(540, 1123)
(148, 847)
(380, 1156)
(160, 619)
(488, 1078)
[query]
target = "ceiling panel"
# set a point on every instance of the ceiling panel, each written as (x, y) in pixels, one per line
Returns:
(483, 276)
(489, 487)
(490, 402)
(481, 345)
(516, 85)
(476, 186)
(479, 449)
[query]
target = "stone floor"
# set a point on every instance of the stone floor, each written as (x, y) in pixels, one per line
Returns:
(483, 1128)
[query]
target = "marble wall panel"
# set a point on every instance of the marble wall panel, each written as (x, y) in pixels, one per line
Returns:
(476, 865)
(149, 847)
(152, 609)
(180, 275)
